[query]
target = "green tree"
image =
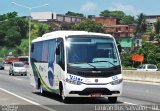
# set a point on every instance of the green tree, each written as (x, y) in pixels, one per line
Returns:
(141, 25)
(2, 17)
(150, 52)
(157, 27)
(8, 16)
(74, 14)
(126, 59)
(105, 13)
(23, 47)
(12, 29)
(38, 29)
(116, 14)
(89, 25)
(13, 37)
(11, 15)
(151, 58)
(157, 31)
(2, 38)
(4, 52)
(23, 26)
(158, 39)
(14, 32)
(43, 28)
(127, 20)
(121, 17)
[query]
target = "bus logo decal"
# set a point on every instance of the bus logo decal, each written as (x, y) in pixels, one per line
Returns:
(96, 80)
(75, 78)
(51, 73)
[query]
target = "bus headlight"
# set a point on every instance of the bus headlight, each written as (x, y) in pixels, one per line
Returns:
(116, 82)
(73, 81)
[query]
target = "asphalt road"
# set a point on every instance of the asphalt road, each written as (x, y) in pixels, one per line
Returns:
(17, 93)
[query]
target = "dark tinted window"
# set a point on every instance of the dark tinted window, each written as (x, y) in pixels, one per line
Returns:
(18, 65)
(151, 66)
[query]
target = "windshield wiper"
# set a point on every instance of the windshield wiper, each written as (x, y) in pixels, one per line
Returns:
(105, 61)
(94, 67)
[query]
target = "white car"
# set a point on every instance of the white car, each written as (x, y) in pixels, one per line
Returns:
(17, 68)
(148, 67)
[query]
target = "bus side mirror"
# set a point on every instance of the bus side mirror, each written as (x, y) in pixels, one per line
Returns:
(59, 43)
(58, 50)
(119, 48)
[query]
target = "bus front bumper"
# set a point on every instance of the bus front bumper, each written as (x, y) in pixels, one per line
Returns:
(84, 90)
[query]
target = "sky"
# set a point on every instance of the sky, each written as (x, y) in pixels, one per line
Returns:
(86, 7)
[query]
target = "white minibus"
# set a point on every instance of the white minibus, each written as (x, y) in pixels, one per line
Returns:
(76, 64)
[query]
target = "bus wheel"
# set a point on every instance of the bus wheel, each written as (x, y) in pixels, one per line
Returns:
(112, 99)
(64, 99)
(42, 92)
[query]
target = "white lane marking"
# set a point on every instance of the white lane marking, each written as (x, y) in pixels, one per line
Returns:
(18, 79)
(129, 103)
(25, 99)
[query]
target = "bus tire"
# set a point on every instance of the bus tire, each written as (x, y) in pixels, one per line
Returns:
(38, 83)
(63, 98)
(112, 99)
(41, 90)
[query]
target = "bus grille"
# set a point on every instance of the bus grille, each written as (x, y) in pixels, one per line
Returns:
(102, 74)
(88, 91)
(86, 72)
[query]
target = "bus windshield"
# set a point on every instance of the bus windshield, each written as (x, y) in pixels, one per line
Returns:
(91, 52)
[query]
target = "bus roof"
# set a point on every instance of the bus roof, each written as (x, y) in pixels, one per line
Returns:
(65, 34)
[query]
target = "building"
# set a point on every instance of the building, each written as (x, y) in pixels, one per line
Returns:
(50, 16)
(122, 33)
(56, 21)
(151, 20)
(68, 19)
(43, 16)
(117, 30)
(106, 21)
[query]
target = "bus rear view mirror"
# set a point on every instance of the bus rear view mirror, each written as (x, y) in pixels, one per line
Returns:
(58, 50)
(119, 48)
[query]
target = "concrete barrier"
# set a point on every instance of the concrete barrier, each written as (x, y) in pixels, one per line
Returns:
(141, 76)
(7, 66)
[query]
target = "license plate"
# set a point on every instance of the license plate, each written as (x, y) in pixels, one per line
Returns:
(96, 94)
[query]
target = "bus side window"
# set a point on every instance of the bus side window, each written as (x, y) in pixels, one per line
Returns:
(60, 54)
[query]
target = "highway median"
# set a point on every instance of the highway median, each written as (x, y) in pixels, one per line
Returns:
(134, 75)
